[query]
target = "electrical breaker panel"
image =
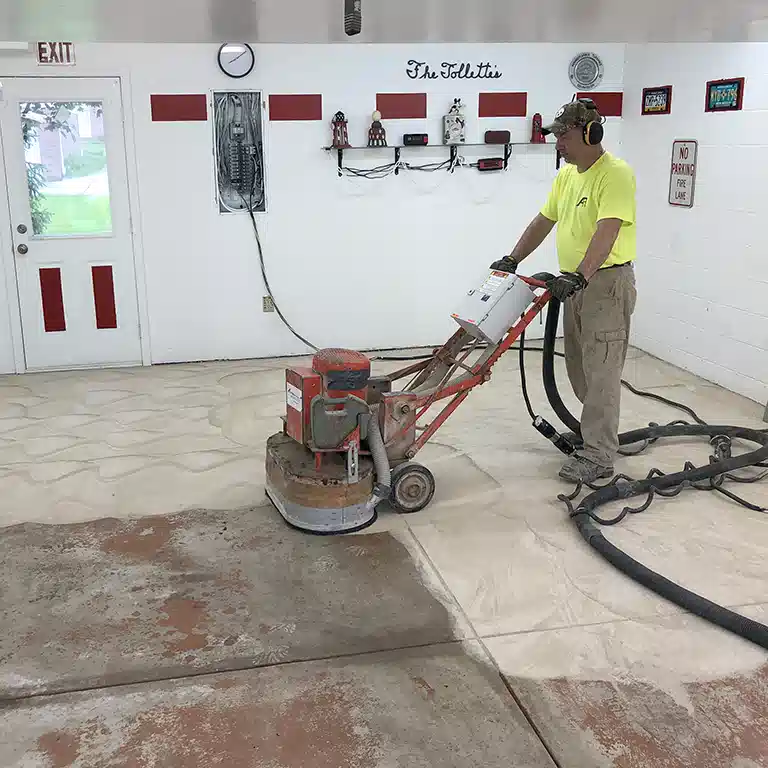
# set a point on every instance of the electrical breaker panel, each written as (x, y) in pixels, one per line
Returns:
(494, 306)
(239, 151)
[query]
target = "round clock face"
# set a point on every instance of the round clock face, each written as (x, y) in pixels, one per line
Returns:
(236, 59)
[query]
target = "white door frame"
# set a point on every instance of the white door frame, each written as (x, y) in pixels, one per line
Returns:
(8, 259)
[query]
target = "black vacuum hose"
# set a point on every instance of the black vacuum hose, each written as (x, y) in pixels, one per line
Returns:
(716, 614)
(657, 482)
(548, 369)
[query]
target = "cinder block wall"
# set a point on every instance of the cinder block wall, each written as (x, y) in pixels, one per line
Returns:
(703, 272)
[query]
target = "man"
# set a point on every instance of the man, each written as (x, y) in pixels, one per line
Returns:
(592, 201)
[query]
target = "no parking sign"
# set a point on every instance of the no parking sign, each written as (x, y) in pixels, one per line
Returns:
(682, 173)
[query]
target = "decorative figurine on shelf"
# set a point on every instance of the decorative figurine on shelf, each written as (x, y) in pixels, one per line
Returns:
(455, 124)
(537, 137)
(377, 136)
(340, 131)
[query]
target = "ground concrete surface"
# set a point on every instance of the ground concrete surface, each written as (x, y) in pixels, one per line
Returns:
(156, 612)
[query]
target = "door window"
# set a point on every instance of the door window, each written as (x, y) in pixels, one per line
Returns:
(66, 160)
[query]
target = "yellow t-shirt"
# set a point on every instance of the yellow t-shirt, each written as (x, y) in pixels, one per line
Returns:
(577, 201)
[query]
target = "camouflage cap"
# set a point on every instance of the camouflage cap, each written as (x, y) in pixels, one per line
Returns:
(574, 114)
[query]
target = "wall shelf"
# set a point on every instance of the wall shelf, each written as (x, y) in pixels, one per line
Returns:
(454, 150)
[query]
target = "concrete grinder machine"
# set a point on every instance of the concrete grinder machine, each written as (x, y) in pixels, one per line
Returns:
(349, 438)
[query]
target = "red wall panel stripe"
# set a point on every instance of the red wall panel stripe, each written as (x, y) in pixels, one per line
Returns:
(402, 106)
(295, 106)
(52, 300)
(608, 104)
(503, 105)
(104, 297)
(178, 107)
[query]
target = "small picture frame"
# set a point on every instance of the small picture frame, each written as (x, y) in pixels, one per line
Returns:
(725, 95)
(657, 101)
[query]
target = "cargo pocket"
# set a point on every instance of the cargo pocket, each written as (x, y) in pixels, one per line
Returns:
(614, 342)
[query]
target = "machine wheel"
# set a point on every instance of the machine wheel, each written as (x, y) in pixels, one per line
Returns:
(413, 487)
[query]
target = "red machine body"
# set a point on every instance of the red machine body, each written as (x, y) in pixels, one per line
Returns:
(335, 374)
(301, 386)
(344, 372)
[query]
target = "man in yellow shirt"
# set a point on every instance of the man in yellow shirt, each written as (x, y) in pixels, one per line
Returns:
(592, 201)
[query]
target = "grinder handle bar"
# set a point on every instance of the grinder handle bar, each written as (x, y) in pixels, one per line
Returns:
(533, 282)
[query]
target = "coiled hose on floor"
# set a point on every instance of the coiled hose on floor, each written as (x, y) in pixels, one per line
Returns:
(657, 483)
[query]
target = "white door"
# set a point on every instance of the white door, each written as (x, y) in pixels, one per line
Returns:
(65, 163)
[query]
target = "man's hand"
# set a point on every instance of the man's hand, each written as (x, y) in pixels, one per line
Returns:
(507, 264)
(565, 285)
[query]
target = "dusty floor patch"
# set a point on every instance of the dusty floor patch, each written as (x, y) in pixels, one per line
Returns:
(440, 705)
(121, 601)
(633, 724)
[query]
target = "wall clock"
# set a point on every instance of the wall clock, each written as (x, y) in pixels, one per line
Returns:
(236, 59)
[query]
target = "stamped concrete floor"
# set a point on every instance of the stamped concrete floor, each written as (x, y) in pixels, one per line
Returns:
(157, 613)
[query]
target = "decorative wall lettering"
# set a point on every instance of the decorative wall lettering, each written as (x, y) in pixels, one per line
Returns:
(452, 70)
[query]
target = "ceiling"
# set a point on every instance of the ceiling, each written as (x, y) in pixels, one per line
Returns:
(385, 21)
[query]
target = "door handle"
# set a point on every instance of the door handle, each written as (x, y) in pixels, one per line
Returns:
(23, 249)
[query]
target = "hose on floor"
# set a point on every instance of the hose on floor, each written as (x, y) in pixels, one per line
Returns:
(721, 466)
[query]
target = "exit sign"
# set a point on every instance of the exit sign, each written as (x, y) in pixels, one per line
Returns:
(62, 54)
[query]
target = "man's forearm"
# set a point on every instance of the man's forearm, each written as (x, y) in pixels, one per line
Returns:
(600, 247)
(534, 235)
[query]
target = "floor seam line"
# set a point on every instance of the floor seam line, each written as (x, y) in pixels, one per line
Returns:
(7, 701)
(528, 718)
(448, 590)
(621, 620)
(526, 714)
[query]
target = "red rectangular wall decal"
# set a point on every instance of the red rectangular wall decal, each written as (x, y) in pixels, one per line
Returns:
(402, 106)
(104, 297)
(178, 107)
(52, 299)
(295, 106)
(503, 105)
(609, 104)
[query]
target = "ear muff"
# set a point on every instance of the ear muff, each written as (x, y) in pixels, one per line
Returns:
(593, 133)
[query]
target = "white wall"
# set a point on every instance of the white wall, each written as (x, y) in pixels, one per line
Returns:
(703, 272)
(353, 262)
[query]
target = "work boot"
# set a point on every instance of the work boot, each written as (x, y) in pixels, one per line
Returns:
(580, 470)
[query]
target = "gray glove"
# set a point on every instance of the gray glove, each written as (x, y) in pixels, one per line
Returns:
(565, 285)
(507, 264)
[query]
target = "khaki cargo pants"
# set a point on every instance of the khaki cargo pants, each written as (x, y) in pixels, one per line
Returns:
(596, 327)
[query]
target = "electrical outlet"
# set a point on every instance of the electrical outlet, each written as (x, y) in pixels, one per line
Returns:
(267, 304)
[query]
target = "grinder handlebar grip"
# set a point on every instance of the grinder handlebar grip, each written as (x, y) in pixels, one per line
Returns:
(533, 282)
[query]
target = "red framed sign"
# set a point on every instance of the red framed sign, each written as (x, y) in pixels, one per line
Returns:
(725, 95)
(657, 101)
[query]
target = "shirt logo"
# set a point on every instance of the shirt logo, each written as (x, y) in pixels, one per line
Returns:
(582, 203)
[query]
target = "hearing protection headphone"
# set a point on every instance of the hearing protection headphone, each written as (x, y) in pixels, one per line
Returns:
(593, 130)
